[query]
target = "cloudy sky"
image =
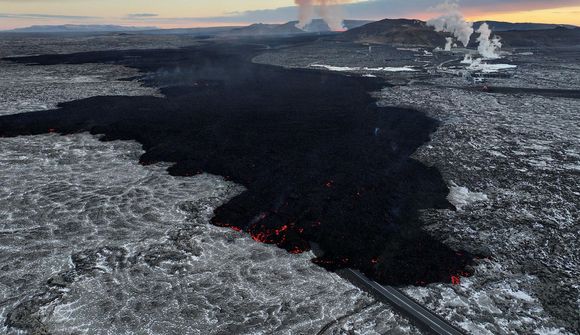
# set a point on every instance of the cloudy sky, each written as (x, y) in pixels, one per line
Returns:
(194, 13)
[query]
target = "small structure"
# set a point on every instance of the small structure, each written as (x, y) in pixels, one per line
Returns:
(478, 80)
(475, 78)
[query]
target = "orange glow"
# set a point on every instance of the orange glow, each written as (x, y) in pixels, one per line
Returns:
(565, 15)
(187, 13)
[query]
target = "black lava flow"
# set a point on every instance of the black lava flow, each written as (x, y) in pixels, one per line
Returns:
(320, 161)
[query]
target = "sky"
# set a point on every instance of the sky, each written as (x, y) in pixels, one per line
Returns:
(199, 13)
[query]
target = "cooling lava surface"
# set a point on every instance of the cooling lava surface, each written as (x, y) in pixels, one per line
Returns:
(320, 161)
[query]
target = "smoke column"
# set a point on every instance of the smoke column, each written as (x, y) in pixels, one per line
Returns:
(329, 10)
(488, 47)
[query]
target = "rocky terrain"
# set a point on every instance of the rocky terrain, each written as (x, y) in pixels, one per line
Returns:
(511, 161)
(522, 152)
(93, 242)
(33, 88)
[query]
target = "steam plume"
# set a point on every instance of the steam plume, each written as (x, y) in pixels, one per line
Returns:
(453, 23)
(488, 47)
(329, 10)
(449, 43)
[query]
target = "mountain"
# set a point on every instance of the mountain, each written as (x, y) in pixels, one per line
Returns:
(73, 28)
(506, 26)
(289, 28)
(396, 31)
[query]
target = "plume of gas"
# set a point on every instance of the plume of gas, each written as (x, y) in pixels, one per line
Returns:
(455, 24)
(488, 47)
(449, 44)
(329, 10)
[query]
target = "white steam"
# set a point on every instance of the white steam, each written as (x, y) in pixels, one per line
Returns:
(488, 47)
(449, 44)
(329, 10)
(453, 23)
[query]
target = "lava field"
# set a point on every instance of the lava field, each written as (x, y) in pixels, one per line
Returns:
(320, 161)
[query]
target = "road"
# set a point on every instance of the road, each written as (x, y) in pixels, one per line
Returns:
(426, 319)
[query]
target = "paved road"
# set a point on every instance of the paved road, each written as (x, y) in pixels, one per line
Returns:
(406, 305)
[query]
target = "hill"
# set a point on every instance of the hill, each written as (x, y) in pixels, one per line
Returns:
(397, 31)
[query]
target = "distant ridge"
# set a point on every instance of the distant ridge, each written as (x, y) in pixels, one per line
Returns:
(203, 31)
(506, 26)
(417, 33)
(556, 37)
(255, 29)
(289, 28)
(260, 29)
(75, 28)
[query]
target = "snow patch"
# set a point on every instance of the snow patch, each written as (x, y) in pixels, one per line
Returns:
(409, 49)
(405, 68)
(460, 196)
(336, 68)
(479, 65)
(550, 331)
(521, 295)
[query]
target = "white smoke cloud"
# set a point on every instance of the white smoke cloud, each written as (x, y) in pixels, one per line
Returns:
(454, 23)
(329, 10)
(488, 47)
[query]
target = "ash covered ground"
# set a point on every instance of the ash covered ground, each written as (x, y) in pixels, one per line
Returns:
(511, 157)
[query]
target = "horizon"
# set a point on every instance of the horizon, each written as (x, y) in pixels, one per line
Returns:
(145, 28)
(222, 13)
